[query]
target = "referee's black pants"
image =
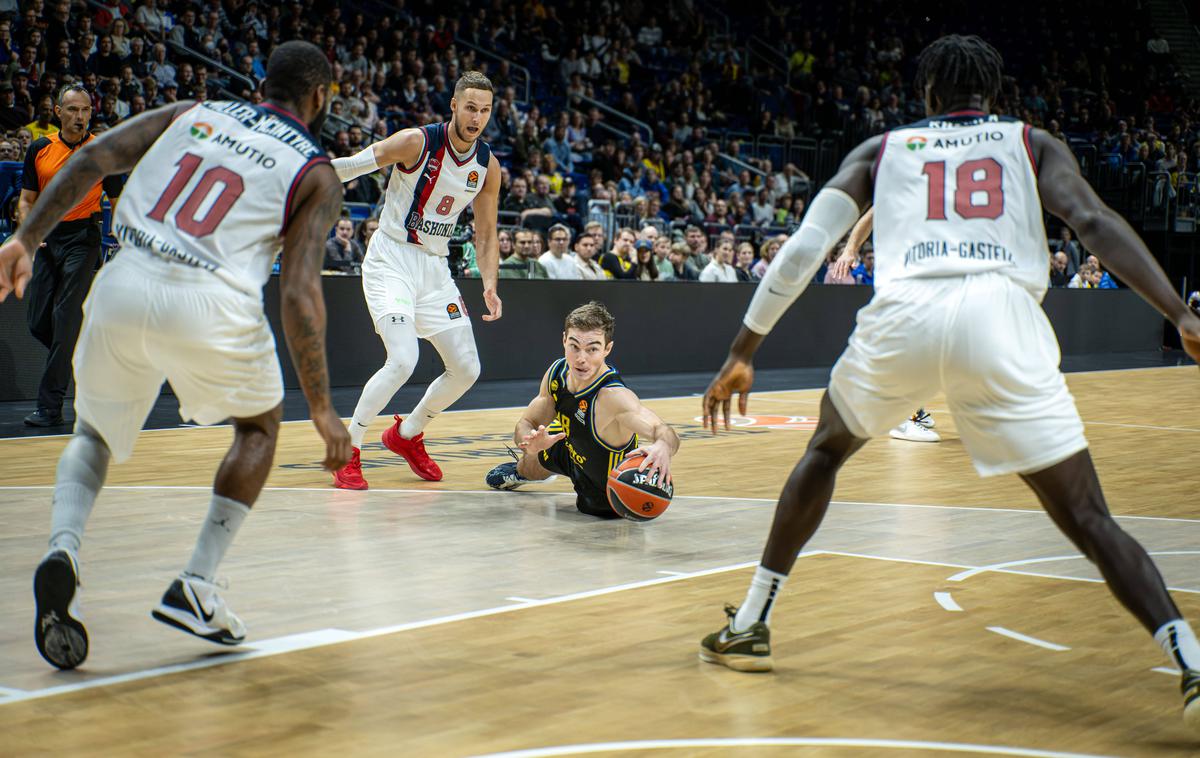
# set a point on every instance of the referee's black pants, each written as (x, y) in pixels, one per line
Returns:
(62, 276)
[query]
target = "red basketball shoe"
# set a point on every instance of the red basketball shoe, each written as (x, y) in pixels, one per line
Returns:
(349, 477)
(412, 451)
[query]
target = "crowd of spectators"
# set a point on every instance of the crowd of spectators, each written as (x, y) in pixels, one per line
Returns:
(837, 71)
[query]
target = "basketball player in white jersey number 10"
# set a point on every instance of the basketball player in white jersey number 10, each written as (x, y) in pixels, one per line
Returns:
(960, 270)
(216, 189)
(440, 169)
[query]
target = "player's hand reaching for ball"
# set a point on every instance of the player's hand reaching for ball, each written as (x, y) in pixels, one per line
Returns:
(736, 376)
(539, 439)
(658, 459)
(337, 438)
(1189, 333)
(16, 267)
(494, 306)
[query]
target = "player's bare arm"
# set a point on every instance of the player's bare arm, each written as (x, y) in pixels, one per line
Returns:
(854, 243)
(319, 201)
(403, 148)
(829, 217)
(530, 434)
(25, 204)
(620, 415)
(487, 242)
(1066, 194)
(114, 152)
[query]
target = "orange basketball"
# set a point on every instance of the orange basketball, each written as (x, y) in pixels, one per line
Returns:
(637, 495)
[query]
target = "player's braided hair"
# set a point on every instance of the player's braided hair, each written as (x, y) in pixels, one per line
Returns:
(957, 66)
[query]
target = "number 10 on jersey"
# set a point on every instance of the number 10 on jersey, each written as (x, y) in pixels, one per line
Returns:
(186, 218)
(978, 189)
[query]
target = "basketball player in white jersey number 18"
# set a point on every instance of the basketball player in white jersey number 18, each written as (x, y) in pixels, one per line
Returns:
(440, 169)
(960, 270)
(216, 189)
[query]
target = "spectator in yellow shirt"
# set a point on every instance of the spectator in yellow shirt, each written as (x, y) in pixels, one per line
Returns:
(42, 126)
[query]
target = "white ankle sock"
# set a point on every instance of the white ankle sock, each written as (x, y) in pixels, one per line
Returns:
(760, 599)
(224, 518)
(81, 472)
(1178, 641)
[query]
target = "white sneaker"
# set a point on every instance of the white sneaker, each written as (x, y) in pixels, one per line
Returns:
(193, 605)
(924, 419)
(911, 431)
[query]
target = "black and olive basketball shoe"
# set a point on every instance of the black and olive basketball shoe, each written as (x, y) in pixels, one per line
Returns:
(1190, 686)
(741, 651)
(58, 631)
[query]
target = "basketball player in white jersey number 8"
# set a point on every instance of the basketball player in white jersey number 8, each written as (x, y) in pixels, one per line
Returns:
(960, 270)
(440, 169)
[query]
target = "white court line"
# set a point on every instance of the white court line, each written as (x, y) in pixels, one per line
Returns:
(521, 599)
(1010, 572)
(302, 641)
(325, 637)
(670, 573)
(1142, 426)
(734, 742)
(964, 575)
(349, 493)
(10, 692)
(649, 399)
(1166, 670)
(1026, 638)
(947, 601)
(348, 418)
(560, 599)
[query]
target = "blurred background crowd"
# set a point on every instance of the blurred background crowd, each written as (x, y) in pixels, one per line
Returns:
(677, 140)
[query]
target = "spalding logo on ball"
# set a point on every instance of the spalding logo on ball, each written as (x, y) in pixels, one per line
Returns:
(637, 495)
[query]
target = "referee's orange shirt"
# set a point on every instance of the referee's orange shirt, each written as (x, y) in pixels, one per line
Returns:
(43, 160)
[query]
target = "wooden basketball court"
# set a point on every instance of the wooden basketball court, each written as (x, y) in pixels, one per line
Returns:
(934, 613)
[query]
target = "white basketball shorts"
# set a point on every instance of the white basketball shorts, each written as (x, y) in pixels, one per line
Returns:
(404, 280)
(147, 320)
(986, 343)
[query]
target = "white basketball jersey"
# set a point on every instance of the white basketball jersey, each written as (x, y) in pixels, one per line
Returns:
(423, 202)
(215, 190)
(957, 195)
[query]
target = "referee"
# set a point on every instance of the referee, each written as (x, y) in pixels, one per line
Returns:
(63, 267)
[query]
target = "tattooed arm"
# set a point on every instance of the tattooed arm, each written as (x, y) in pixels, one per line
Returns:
(114, 152)
(318, 203)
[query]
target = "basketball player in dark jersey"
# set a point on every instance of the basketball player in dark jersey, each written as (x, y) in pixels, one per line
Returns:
(584, 420)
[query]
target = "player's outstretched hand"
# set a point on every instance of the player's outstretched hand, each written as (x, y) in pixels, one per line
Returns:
(494, 306)
(842, 266)
(539, 439)
(737, 376)
(337, 439)
(1189, 333)
(658, 459)
(16, 267)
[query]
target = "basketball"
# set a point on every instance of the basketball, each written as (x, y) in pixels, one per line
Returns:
(636, 495)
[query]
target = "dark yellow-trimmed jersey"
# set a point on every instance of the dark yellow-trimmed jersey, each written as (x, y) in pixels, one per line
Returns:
(574, 415)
